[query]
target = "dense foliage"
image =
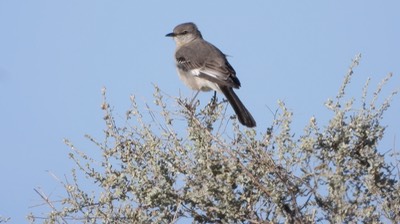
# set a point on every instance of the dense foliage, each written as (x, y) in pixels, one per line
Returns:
(193, 165)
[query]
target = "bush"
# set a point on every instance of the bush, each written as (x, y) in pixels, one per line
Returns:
(189, 166)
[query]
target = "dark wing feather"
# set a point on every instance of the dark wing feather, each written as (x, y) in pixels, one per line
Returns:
(210, 61)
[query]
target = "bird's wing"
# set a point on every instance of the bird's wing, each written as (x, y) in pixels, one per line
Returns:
(209, 61)
(221, 72)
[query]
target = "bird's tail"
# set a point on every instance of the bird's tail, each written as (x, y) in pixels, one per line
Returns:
(241, 111)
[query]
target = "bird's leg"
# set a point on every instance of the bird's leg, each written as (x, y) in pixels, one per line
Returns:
(214, 98)
(213, 102)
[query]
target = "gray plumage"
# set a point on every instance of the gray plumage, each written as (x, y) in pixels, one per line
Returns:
(202, 66)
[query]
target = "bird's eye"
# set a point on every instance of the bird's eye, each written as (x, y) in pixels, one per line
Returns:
(184, 32)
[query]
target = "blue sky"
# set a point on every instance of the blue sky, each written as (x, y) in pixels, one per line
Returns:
(55, 56)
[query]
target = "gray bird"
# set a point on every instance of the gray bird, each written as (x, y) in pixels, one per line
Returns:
(203, 67)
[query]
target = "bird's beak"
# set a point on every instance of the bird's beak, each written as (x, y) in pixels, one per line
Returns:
(170, 35)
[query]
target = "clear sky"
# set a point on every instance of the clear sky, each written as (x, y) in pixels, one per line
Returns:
(55, 56)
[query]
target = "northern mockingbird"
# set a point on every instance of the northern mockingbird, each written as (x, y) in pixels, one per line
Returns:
(203, 67)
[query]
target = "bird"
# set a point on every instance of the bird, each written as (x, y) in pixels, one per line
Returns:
(203, 67)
